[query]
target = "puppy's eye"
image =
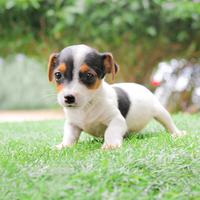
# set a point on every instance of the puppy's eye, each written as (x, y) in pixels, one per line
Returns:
(90, 75)
(58, 76)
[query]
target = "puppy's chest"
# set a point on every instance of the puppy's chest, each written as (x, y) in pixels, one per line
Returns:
(97, 129)
(92, 124)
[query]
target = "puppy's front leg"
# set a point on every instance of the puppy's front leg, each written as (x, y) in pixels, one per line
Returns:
(71, 135)
(114, 133)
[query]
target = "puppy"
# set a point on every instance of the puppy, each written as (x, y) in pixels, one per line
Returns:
(92, 105)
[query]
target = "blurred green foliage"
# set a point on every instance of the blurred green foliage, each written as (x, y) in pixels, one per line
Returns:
(102, 19)
(139, 33)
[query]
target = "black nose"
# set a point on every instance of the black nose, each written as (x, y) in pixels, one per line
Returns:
(70, 99)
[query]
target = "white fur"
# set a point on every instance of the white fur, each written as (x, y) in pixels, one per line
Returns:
(97, 113)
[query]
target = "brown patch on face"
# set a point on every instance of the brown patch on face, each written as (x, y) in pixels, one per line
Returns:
(62, 67)
(84, 68)
(96, 84)
(59, 87)
(92, 83)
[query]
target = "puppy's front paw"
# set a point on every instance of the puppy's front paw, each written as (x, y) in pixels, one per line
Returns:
(62, 146)
(59, 146)
(179, 134)
(107, 146)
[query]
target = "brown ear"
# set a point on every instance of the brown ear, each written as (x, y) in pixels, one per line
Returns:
(51, 65)
(110, 65)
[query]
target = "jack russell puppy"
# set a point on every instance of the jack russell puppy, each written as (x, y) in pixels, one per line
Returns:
(92, 105)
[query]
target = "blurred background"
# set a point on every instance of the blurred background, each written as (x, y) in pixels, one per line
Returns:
(155, 43)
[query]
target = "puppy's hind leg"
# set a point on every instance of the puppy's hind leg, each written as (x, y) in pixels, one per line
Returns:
(163, 116)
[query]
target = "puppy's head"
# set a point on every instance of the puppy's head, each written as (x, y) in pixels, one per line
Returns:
(77, 72)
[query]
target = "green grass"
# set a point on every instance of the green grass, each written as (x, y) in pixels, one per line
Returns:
(149, 166)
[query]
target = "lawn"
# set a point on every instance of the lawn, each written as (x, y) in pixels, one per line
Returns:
(151, 165)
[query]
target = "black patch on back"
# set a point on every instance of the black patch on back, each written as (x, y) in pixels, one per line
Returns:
(123, 101)
(95, 61)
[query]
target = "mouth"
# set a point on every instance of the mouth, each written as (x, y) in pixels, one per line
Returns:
(71, 105)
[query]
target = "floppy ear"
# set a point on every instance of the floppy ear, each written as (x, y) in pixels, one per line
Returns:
(52, 65)
(109, 64)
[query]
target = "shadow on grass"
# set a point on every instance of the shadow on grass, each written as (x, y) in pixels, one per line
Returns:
(89, 144)
(141, 135)
(93, 143)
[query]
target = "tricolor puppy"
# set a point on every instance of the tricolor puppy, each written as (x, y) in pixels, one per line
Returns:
(92, 105)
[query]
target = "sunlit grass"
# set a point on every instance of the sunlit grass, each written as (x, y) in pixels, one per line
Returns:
(148, 166)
